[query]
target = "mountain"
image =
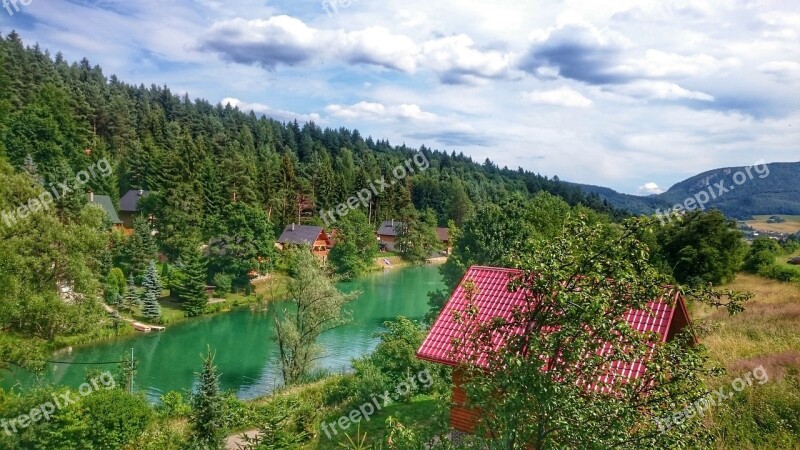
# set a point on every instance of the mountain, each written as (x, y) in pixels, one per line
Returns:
(739, 192)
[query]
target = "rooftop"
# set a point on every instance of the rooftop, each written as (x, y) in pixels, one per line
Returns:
(300, 234)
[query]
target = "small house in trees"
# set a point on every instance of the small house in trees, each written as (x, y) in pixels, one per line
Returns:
(387, 234)
(306, 235)
(129, 206)
(444, 238)
(666, 316)
(105, 203)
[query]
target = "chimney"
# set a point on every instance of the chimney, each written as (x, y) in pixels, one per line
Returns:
(392, 223)
(141, 192)
(91, 196)
(292, 227)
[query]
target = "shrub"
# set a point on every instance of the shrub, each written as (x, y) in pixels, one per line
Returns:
(780, 273)
(223, 283)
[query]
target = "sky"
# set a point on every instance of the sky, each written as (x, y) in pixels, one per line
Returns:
(635, 95)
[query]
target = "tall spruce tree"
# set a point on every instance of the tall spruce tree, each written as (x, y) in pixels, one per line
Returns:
(151, 309)
(208, 419)
(191, 284)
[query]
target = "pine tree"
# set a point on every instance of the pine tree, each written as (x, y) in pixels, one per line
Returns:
(151, 309)
(191, 287)
(208, 408)
(131, 298)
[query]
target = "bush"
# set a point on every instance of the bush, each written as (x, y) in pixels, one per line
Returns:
(173, 405)
(780, 273)
(223, 284)
(114, 418)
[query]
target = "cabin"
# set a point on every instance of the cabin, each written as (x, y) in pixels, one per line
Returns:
(105, 203)
(666, 316)
(387, 235)
(306, 235)
(444, 238)
(129, 206)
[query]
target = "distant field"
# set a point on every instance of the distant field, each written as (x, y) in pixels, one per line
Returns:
(792, 224)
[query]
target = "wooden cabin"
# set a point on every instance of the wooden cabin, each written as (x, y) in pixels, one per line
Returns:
(129, 206)
(387, 234)
(306, 235)
(444, 238)
(666, 317)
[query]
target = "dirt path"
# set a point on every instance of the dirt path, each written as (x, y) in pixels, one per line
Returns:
(235, 442)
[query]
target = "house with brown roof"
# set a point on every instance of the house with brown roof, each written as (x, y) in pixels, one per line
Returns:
(388, 233)
(306, 235)
(488, 291)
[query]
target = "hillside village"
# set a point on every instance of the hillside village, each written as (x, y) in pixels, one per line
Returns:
(360, 241)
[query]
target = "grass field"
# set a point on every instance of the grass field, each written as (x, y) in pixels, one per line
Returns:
(766, 334)
(792, 224)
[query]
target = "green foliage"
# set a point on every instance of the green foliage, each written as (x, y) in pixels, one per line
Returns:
(139, 248)
(581, 280)
(190, 285)
(113, 418)
(223, 284)
(702, 247)
(316, 308)
(761, 254)
(417, 239)
(496, 236)
(114, 286)
(209, 416)
(44, 262)
(395, 355)
(356, 248)
(242, 239)
(151, 309)
(104, 419)
(131, 298)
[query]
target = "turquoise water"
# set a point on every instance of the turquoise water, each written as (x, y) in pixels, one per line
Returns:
(246, 352)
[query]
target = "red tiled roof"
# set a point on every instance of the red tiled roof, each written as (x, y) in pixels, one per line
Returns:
(493, 299)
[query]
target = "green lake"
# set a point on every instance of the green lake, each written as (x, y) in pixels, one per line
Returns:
(246, 352)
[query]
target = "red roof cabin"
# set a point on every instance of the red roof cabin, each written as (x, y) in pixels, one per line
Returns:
(666, 317)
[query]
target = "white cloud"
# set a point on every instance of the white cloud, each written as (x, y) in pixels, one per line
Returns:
(377, 111)
(781, 70)
(456, 59)
(660, 90)
(562, 96)
(650, 188)
(378, 46)
(659, 64)
(277, 114)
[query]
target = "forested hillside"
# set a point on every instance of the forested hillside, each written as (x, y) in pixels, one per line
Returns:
(775, 191)
(57, 117)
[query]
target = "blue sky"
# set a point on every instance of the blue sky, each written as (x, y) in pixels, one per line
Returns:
(631, 94)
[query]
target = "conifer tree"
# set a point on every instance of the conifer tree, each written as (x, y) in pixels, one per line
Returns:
(151, 309)
(191, 284)
(131, 298)
(208, 408)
